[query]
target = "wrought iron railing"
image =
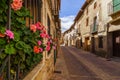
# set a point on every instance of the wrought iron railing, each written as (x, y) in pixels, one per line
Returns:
(5, 66)
(5, 69)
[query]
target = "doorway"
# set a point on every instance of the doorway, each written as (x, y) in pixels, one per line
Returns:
(93, 45)
(87, 44)
(116, 43)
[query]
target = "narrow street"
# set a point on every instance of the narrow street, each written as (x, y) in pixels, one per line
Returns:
(76, 64)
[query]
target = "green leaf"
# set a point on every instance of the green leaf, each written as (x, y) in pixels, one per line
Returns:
(23, 12)
(22, 55)
(28, 61)
(1, 19)
(20, 45)
(22, 66)
(4, 5)
(1, 10)
(33, 42)
(2, 56)
(16, 36)
(27, 49)
(2, 41)
(19, 13)
(9, 49)
(16, 60)
(2, 29)
(20, 20)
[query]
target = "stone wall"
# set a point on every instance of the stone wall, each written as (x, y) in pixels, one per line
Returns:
(100, 51)
(44, 70)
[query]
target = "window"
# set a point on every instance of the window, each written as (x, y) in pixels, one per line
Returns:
(110, 8)
(35, 7)
(95, 5)
(100, 42)
(95, 24)
(48, 24)
(87, 10)
(95, 20)
(79, 28)
(39, 9)
(87, 22)
(26, 4)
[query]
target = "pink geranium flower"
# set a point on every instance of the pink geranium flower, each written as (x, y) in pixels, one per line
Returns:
(44, 31)
(10, 34)
(48, 43)
(39, 26)
(47, 47)
(47, 36)
(33, 28)
(39, 43)
(41, 49)
(16, 5)
(43, 35)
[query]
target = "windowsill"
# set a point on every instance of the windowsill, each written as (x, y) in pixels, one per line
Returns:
(94, 32)
(32, 75)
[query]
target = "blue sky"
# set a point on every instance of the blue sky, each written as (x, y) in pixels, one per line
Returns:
(69, 9)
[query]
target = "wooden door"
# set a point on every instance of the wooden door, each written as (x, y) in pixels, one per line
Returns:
(116, 43)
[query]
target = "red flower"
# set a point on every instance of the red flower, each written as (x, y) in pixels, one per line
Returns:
(33, 28)
(38, 26)
(44, 31)
(43, 35)
(16, 5)
(36, 49)
(47, 47)
(48, 43)
(47, 36)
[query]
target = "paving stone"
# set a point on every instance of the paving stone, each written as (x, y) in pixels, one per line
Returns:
(76, 64)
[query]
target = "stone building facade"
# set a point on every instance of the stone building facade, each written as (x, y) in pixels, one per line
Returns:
(47, 12)
(98, 27)
(69, 36)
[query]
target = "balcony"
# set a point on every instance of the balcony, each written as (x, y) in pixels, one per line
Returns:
(115, 18)
(116, 13)
(94, 28)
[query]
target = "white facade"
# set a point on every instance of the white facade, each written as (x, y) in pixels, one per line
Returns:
(69, 37)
